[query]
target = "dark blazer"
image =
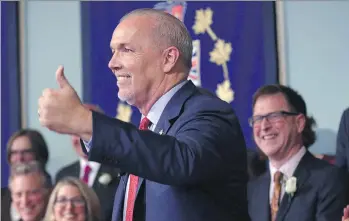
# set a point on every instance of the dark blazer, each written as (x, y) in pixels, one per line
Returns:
(342, 153)
(5, 203)
(192, 167)
(322, 193)
(104, 192)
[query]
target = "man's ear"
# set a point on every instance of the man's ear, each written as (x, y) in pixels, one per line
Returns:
(171, 56)
(301, 121)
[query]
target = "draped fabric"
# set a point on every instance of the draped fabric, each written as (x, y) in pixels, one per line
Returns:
(234, 51)
(10, 83)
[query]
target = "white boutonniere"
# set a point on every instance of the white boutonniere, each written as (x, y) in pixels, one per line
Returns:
(291, 186)
(105, 179)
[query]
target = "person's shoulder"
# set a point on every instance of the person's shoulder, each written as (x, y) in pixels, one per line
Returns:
(256, 181)
(66, 169)
(205, 99)
(327, 171)
(345, 113)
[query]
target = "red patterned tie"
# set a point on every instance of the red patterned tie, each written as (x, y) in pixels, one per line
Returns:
(87, 171)
(134, 181)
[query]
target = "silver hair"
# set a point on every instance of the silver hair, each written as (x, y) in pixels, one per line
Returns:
(170, 31)
(21, 169)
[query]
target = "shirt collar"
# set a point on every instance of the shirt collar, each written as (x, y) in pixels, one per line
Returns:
(288, 168)
(159, 106)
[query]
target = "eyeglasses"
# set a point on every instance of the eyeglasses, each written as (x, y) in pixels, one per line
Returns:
(63, 201)
(271, 117)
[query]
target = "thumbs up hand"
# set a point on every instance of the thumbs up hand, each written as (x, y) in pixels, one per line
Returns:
(60, 78)
(61, 110)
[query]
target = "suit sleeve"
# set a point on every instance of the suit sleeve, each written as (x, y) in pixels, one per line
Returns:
(343, 141)
(204, 147)
(333, 196)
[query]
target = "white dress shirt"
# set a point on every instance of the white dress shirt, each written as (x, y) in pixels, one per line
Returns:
(93, 173)
(287, 170)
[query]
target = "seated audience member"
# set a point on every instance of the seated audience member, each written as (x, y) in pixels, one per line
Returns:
(102, 178)
(26, 145)
(30, 190)
(297, 185)
(256, 164)
(342, 153)
(71, 199)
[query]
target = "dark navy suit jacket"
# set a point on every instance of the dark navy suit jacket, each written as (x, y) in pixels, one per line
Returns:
(321, 195)
(194, 171)
(342, 154)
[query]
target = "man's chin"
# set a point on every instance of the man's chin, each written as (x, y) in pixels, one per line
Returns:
(126, 98)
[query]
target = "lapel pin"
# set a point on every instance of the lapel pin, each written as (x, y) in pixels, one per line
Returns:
(161, 132)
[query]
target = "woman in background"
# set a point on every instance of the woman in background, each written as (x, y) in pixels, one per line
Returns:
(71, 199)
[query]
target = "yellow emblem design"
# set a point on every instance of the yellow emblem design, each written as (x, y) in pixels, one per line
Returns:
(220, 55)
(124, 112)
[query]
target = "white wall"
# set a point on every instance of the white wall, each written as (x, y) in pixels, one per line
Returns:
(52, 37)
(317, 61)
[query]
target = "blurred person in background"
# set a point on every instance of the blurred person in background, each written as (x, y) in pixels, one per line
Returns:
(103, 179)
(24, 146)
(30, 190)
(71, 199)
(342, 152)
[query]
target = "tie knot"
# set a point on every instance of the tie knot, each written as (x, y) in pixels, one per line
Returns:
(144, 124)
(277, 177)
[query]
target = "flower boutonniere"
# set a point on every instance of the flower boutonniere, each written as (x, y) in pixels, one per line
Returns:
(105, 179)
(291, 186)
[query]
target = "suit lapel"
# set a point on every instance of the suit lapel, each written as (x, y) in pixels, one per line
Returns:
(119, 198)
(171, 112)
(302, 174)
(262, 199)
(75, 172)
(174, 107)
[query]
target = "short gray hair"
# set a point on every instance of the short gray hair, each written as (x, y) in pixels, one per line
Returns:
(22, 169)
(170, 31)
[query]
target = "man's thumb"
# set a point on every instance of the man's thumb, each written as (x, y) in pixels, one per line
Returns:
(60, 77)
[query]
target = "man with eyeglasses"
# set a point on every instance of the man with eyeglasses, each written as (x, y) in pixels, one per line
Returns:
(30, 189)
(297, 185)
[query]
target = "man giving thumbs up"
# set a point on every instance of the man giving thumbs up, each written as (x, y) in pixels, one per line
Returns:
(61, 110)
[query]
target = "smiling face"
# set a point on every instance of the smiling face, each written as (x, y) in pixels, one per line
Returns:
(276, 137)
(29, 196)
(137, 60)
(21, 150)
(69, 204)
